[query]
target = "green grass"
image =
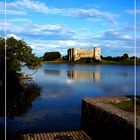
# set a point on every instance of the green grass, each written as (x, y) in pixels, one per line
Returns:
(129, 105)
(95, 62)
(121, 62)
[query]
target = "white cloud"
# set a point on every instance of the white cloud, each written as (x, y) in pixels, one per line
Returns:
(15, 36)
(10, 9)
(95, 45)
(68, 43)
(93, 13)
(127, 37)
(42, 46)
(36, 5)
(29, 29)
(13, 12)
(2, 26)
(115, 35)
(137, 11)
(22, 7)
(19, 20)
(28, 4)
(52, 27)
(84, 13)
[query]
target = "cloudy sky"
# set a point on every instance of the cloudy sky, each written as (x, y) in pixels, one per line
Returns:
(56, 25)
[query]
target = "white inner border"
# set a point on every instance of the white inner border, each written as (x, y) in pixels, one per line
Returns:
(135, 74)
(5, 34)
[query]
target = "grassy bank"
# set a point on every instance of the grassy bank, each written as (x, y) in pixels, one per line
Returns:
(95, 62)
(129, 105)
(121, 62)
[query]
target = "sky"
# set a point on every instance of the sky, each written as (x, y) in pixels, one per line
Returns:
(57, 25)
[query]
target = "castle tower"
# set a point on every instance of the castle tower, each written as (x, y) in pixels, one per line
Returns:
(97, 53)
(77, 53)
(69, 54)
(73, 54)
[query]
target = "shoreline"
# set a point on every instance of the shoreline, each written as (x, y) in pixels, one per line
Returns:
(103, 62)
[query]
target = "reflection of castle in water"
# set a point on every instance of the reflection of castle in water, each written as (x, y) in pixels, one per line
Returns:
(77, 75)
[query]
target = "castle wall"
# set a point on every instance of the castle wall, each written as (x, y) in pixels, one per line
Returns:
(76, 53)
(97, 53)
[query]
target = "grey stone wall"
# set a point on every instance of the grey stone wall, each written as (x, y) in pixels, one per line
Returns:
(102, 121)
(77, 53)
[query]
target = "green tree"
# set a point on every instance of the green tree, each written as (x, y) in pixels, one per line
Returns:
(65, 57)
(125, 56)
(133, 57)
(51, 56)
(17, 54)
(2, 61)
(107, 58)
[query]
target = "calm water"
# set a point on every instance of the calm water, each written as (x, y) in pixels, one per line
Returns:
(63, 87)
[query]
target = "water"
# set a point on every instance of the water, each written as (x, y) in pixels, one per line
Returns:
(63, 86)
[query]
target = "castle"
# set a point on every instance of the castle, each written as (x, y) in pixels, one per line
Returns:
(77, 53)
(77, 75)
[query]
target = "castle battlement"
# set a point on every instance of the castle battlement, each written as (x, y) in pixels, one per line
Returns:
(77, 53)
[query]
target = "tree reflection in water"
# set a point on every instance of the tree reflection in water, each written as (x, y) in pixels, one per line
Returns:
(18, 103)
(19, 96)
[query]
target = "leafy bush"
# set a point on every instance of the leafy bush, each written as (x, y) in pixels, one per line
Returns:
(51, 56)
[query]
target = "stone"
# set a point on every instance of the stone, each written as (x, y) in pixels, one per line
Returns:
(102, 120)
(77, 53)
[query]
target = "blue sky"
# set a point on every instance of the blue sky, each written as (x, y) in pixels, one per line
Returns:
(56, 25)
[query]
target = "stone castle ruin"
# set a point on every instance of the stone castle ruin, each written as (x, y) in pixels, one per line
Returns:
(77, 53)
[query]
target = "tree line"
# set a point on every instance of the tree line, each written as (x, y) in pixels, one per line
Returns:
(51, 56)
(119, 58)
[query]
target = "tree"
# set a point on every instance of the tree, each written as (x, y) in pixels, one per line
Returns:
(51, 56)
(107, 58)
(17, 54)
(2, 61)
(125, 56)
(65, 57)
(117, 58)
(133, 57)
